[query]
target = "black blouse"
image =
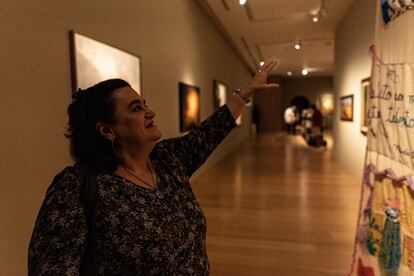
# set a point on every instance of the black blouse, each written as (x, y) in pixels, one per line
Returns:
(139, 231)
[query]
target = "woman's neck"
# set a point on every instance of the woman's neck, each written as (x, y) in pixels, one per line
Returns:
(138, 168)
(136, 160)
(136, 164)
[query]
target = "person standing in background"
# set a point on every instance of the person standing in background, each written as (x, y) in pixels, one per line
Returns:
(290, 119)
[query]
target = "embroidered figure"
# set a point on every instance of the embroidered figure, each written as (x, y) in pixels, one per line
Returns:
(394, 8)
(390, 255)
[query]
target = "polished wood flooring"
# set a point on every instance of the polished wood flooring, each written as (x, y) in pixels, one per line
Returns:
(277, 207)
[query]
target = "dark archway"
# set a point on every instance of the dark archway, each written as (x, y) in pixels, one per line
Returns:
(300, 102)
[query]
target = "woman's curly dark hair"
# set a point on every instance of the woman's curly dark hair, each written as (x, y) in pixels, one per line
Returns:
(96, 104)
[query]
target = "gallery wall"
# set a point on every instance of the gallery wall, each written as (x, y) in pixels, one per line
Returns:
(309, 87)
(353, 37)
(272, 104)
(269, 108)
(176, 42)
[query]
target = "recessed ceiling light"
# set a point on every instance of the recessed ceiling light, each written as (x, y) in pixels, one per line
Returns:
(242, 2)
(297, 45)
(261, 63)
(289, 73)
(305, 71)
(315, 18)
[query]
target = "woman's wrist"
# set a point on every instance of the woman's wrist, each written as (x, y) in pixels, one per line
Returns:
(243, 93)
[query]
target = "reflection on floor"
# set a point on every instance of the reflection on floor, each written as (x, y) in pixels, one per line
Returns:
(278, 207)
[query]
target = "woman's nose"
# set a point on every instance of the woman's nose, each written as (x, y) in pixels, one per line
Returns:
(149, 113)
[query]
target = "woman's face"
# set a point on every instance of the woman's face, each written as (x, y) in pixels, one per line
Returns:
(134, 125)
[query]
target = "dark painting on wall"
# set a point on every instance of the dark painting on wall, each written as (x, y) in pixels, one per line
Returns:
(189, 106)
(93, 61)
(365, 87)
(346, 108)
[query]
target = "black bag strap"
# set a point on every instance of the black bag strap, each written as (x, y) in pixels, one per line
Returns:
(89, 194)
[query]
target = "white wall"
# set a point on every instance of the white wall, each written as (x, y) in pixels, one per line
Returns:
(176, 42)
(353, 36)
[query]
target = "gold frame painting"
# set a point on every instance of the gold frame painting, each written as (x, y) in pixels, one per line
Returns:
(365, 90)
(346, 108)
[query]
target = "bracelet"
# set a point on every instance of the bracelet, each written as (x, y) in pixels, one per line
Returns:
(245, 99)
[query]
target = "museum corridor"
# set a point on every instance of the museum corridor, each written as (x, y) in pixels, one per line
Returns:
(274, 206)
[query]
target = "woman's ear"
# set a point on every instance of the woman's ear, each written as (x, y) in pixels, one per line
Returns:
(105, 130)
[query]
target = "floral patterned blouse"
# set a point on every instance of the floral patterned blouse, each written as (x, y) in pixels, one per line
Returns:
(139, 231)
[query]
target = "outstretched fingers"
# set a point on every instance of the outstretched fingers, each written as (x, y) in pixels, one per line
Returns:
(273, 85)
(268, 65)
(268, 86)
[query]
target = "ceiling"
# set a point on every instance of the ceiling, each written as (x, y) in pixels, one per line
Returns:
(263, 29)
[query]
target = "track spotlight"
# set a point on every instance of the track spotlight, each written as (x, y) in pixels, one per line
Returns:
(317, 14)
(242, 2)
(297, 45)
(305, 71)
(289, 73)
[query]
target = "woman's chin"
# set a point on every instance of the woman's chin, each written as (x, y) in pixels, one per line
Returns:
(155, 133)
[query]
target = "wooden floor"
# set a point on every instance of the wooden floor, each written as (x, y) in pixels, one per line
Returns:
(277, 207)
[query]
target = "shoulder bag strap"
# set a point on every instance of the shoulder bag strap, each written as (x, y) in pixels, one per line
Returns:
(89, 194)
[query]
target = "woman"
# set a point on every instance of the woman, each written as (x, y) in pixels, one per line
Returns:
(148, 221)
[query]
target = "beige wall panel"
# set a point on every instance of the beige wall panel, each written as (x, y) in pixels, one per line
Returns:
(352, 64)
(269, 104)
(310, 88)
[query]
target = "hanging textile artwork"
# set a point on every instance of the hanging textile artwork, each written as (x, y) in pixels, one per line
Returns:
(384, 244)
(394, 8)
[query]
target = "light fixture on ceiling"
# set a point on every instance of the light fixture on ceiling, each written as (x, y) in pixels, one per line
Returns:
(317, 14)
(305, 71)
(297, 45)
(242, 2)
(261, 63)
(289, 73)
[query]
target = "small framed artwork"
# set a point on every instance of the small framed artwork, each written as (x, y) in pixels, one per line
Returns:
(365, 90)
(346, 108)
(93, 61)
(219, 94)
(189, 106)
(326, 104)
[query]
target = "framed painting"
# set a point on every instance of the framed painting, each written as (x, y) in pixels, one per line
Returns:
(93, 61)
(189, 106)
(365, 89)
(326, 104)
(219, 94)
(346, 108)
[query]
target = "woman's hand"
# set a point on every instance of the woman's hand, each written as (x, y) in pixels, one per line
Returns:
(259, 81)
